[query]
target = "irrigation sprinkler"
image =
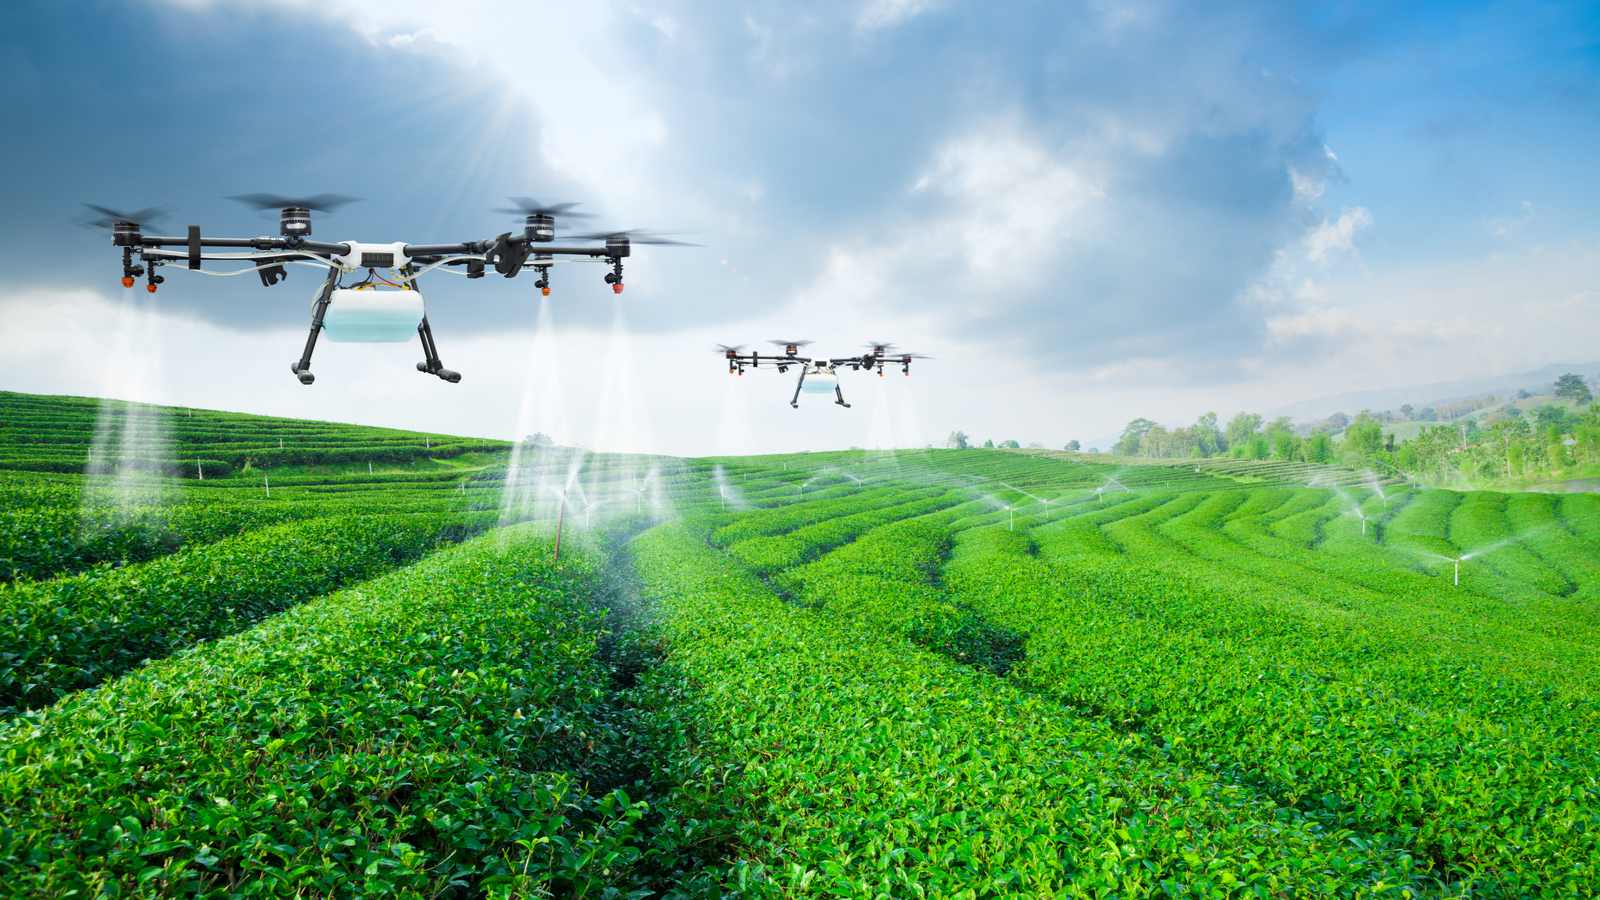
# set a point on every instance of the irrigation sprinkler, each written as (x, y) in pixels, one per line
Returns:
(1043, 502)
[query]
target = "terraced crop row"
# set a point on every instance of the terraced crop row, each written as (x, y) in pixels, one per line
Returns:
(434, 733)
(1385, 733)
(874, 768)
(65, 635)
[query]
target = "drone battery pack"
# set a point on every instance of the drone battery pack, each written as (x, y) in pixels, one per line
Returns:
(372, 316)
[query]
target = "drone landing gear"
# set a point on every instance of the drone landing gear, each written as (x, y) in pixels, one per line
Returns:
(432, 365)
(837, 392)
(302, 369)
(795, 402)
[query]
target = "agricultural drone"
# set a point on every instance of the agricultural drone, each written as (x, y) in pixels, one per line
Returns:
(818, 375)
(363, 311)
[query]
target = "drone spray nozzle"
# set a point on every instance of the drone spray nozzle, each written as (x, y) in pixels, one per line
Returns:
(127, 281)
(545, 291)
(616, 288)
(151, 288)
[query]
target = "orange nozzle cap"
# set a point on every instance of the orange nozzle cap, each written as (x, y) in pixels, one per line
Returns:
(127, 282)
(546, 291)
(617, 288)
(151, 288)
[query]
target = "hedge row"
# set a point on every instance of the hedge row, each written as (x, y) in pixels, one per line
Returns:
(1425, 737)
(428, 734)
(61, 636)
(875, 769)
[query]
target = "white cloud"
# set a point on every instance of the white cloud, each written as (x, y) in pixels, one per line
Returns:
(1506, 226)
(888, 13)
(1306, 187)
(1339, 235)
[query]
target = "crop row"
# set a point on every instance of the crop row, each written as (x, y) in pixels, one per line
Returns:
(873, 768)
(767, 555)
(428, 734)
(1485, 776)
(61, 636)
(887, 578)
(837, 501)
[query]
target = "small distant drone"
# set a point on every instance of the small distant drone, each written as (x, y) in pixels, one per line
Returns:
(363, 311)
(819, 375)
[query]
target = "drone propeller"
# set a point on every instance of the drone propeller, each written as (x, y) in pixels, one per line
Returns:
(878, 346)
(322, 203)
(527, 206)
(725, 349)
(110, 217)
(791, 343)
(637, 236)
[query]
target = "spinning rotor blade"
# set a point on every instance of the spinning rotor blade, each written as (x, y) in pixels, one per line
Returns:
(791, 343)
(638, 236)
(322, 203)
(724, 348)
(527, 206)
(883, 346)
(109, 217)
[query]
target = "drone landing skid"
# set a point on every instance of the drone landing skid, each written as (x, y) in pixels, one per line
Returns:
(432, 365)
(801, 383)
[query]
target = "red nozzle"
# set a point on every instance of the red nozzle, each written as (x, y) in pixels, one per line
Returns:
(546, 291)
(151, 288)
(617, 288)
(127, 282)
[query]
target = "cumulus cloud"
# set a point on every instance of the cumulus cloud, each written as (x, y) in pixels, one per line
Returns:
(1337, 235)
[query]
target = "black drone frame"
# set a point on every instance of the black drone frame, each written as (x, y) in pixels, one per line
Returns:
(875, 359)
(508, 254)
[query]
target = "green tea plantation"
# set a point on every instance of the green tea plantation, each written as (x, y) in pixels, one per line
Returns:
(243, 656)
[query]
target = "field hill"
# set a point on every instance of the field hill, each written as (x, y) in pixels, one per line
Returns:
(521, 671)
(1436, 394)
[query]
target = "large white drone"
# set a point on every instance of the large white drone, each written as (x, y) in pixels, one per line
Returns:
(376, 308)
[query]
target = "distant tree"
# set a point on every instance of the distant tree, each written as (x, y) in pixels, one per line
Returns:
(1284, 445)
(1336, 422)
(989, 444)
(1073, 446)
(1571, 387)
(957, 440)
(538, 439)
(1551, 416)
(1128, 444)
(1319, 448)
(1035, 445)
(1010, 445)
(1240, 428)
(1522, 394)
(1406, 411)
(1094, 449)
(1364, 436)
(1208, 436)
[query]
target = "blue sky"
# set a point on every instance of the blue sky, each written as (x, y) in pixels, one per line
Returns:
(1088, 212)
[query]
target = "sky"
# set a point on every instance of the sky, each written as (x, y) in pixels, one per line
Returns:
(1084, 212)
